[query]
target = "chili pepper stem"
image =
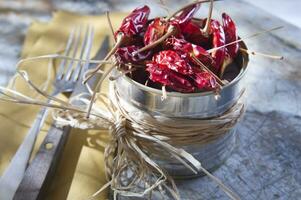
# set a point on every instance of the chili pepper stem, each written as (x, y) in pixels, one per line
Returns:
(133, 65)
(171, 30)
(164, 94)
(217, 92)
(245, 38)
(110, 24)
(108, 56)
(187, 6)
(220, 82)
(206, 29)
(261, 54)
(96, 88)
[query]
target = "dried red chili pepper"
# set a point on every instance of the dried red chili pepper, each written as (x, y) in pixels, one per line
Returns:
(131, 26)
(193, 33)
(218, 39)
(203, 80)
(173, 61)
(169, 78)
(230, 35)
(188, 50)
(186, 15)
(160, 29)
(155, 30)
(197, 31)
(134, 23)
(216, 33)
(125, 55)
(212, 29)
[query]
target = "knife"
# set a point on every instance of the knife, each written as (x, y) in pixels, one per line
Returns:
(38, 174)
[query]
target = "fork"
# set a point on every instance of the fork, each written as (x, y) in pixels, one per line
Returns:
(69, 73)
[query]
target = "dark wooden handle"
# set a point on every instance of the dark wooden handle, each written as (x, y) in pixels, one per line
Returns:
(39, 172)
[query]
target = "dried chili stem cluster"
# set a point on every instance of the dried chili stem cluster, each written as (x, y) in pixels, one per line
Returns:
(180, 53)
(140, 41)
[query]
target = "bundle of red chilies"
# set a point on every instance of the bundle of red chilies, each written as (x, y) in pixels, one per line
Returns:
(174, 50)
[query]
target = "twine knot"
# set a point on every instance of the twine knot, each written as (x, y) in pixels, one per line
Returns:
(119, 127)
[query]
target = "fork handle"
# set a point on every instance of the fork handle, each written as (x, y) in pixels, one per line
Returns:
(39, 173)
(13, 175)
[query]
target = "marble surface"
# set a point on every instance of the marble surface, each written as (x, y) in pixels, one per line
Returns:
(286, 10)
(266, 163)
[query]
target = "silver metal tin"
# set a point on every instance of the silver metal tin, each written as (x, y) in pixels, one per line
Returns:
(211, 155)
(196, 105)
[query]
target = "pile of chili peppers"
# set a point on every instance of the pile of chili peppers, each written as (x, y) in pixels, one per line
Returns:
(174, 51)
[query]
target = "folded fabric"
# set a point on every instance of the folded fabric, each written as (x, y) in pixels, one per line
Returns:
(81, 169)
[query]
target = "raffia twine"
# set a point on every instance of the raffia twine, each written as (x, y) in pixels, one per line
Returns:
(135, 136)
(138, 135)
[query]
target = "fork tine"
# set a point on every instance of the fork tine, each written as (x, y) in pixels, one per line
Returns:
(85, 51)
(68, 73)
(66, 52)
(82, 49)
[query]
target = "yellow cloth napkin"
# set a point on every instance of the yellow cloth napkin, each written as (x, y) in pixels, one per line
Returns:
(81, 169)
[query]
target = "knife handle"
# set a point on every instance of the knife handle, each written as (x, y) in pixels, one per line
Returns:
(42, 168)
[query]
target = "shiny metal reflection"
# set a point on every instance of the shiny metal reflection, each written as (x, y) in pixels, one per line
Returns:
(196, 105)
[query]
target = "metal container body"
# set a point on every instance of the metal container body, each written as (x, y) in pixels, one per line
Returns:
(178, 105)
(211, 155)
(196, 105)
